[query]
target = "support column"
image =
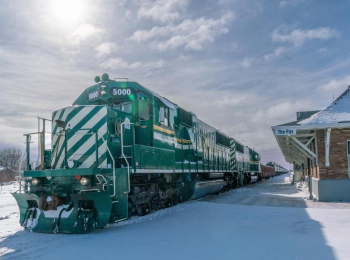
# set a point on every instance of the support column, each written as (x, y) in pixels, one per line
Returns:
(310, 177)
(327, 141)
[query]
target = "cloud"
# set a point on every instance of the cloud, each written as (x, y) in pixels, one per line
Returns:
(119, 63)
(336, 84)
(84, 32)
(292, 3)
(298, 37)
(277, 52)
(322, 50)
(105, 48)
(190, 34)
(247, 62)
(127, 14)
(163, 11)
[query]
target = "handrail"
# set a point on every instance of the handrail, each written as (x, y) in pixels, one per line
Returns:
(97, 190)
(122, 148)
(114, 186)
(103, 177)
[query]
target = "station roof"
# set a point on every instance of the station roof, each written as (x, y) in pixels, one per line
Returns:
(336, 115)
(297, 138)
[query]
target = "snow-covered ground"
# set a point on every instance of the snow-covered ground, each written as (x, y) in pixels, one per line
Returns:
(268, 220)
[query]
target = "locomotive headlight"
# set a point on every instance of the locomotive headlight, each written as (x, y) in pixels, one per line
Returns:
(103, 86)
(84, 181)
(35, 182)
(103, 92)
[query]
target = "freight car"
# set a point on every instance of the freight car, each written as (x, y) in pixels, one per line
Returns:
(278, 168)
(120, 150)
(267, 172)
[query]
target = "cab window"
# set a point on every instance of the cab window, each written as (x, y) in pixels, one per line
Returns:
(144, 108)
(164, 116)
(124, 106)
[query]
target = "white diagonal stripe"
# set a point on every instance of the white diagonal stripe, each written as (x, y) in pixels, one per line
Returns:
(90, 124)
(78, 117)
(103, 164)
(87, 145)
(60, 160)
(55, 135)
(92, 158)
(83, 149)
(64, 116)
(72, 123)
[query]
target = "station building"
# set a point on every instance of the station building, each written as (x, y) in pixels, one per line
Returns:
(318, 143)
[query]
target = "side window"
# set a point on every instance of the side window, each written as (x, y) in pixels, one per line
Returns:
(164, 116)
(144, 108)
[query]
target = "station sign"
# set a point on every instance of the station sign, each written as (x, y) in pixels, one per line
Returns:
(286, 131)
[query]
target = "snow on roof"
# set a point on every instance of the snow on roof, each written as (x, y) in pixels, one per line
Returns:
(337, 112)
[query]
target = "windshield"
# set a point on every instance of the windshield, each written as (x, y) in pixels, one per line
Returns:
(125, 106)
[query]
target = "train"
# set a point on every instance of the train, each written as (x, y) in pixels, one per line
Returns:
(122, 150)
(272, 169)
(267, 172)
(278, 168)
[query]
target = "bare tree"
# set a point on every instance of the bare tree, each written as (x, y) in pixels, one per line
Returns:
(10, 158)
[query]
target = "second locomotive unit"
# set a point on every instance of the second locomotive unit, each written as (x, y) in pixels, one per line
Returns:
(120, 150)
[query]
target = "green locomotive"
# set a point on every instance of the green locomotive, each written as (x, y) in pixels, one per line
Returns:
(120, 150)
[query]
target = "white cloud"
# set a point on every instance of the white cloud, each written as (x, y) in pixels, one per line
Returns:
(84, 32)
(336, 84)
(287, 3)
(119, 63)
(190, 34)
(322, 50)
(163, 11)
(277, 52)
(298, 37)
(127, 14)
(247, 62)
(105, 48)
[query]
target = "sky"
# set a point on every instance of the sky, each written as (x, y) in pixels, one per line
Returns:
(241, 66)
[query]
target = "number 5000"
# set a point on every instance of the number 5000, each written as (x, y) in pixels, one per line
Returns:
(121, 92)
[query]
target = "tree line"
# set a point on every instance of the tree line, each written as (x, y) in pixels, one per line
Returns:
(10, 160)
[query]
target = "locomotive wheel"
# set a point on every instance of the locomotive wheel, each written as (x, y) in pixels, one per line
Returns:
(245, 181)
(234, 184)
(139, 211)
(142, 210)
(175, 199)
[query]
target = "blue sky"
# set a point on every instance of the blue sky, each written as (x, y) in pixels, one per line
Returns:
(241, 66)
